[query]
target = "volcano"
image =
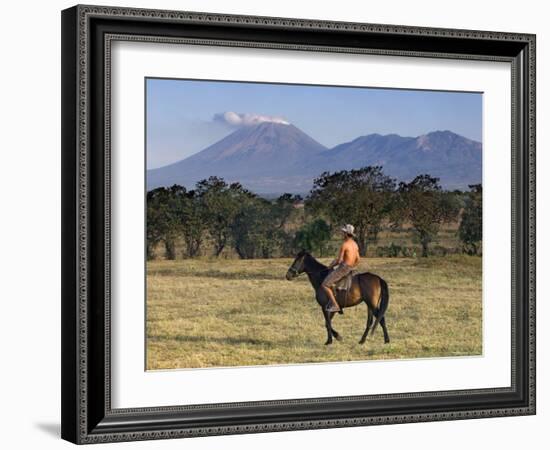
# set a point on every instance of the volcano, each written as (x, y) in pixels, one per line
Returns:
(274, 158)
(265, 158)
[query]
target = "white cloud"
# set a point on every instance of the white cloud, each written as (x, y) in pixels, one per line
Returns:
(245, 119)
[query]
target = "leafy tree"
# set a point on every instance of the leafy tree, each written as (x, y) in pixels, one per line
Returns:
(283, 209)
(251, 229)
(162, 224)
(471, 224)
(230, 215)
(220, 204)
(313, 236)
(257, 230)
(362, 197)
(192, 216)
(186, 220)
(423, 203)
(155, 221)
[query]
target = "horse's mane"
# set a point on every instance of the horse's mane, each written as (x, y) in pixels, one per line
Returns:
(311, 261)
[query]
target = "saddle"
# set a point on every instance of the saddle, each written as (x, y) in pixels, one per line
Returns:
(345, 283)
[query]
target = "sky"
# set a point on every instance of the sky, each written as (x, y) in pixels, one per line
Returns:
(184, 117)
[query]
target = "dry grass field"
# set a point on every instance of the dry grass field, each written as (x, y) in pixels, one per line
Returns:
(213, 313)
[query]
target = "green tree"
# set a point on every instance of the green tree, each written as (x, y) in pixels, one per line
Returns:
(252, 229)
(313, 236)
(362, 197)
(258, 228)
(220, 205)
(423, 203)
(471, 224)
(186, 220)
(193, 219)
(162, 225)
(284, 214)
(156, 219)
(283, 209)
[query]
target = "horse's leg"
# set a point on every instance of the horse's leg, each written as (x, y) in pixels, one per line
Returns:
(328, 326)
(383, 325)
(369, 324)
(334, 332)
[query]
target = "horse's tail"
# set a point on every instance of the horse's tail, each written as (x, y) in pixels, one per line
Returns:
(383, 305)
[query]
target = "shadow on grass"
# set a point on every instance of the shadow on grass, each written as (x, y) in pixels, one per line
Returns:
(218, 340)
(223, 275)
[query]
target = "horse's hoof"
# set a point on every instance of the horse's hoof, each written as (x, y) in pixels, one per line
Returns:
(386, 341)
(362, 341)
(328, 342)
(338, 338)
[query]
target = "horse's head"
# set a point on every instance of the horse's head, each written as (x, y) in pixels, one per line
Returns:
(297, 267)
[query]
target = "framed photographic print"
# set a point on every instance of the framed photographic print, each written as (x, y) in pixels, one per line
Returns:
(279, 224)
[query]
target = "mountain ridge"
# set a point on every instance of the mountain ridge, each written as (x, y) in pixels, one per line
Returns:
(276, 158)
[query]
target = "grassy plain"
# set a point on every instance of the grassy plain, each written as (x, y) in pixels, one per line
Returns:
(216, 312)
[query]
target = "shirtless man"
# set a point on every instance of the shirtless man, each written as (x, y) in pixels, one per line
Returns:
(348, 258)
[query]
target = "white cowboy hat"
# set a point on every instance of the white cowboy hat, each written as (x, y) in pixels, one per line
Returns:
(348, 229)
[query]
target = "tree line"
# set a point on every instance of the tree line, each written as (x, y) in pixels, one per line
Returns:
(226, 216)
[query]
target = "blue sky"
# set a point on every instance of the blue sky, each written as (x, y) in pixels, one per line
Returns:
(186, 116)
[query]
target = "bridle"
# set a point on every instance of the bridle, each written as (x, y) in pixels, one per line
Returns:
(293, 271)
(296, 272)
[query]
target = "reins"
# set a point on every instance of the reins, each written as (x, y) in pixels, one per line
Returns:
(311, 272)
(294, 271)
(317, 273)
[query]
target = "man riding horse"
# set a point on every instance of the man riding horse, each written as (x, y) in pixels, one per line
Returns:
(365, 287)
(347, 260)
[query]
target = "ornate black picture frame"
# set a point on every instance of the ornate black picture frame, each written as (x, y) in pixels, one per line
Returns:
(87, 33)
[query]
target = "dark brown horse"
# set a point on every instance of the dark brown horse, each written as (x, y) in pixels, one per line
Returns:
(366, 287)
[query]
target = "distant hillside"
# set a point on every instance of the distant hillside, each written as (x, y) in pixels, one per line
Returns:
(455, 159)
(272, 158)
